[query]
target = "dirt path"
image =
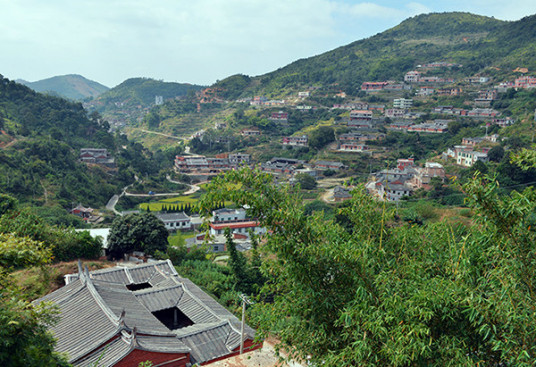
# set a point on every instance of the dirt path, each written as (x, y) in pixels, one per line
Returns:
(158, 133)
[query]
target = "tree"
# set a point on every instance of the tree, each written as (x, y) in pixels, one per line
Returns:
(496, 153)
(137, 232)
(306, 181)
(380, 292)
(321, 137)
(24, 336)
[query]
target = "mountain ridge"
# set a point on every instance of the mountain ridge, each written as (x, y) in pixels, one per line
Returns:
(71, 86)
(472, 40)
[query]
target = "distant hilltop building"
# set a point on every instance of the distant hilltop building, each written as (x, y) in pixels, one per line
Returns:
(158, 100)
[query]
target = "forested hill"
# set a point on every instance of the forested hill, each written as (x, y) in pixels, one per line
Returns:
(40, 141)
(72, 86)
(476, 42)
(142, 91)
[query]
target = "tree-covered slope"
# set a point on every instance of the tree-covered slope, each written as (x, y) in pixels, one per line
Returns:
(40, 141)
(71, 86)
(143, 91)
(476, 42)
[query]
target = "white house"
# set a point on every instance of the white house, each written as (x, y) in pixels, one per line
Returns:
(175, 221)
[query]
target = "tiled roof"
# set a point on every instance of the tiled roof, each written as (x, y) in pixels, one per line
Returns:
(98, 309)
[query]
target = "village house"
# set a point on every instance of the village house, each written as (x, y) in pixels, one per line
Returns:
(403, 103)
(424, 175)
(412, 76)
(401, 125)
(390, 191)
(237, 159)
(353, 136)
(126, 315)
(82, 212)
(175, 221)
(477, 79)
(472, 141)
(430, 127)
(525, 82)
(250, 132)
(483, 112)
(503, 121)
(425, 91)
(335, 166)
(395, 113)
(97, 156)
(258, 101)
(352, 146)
(341, 193)
(360, 119)
(402, 164)
(377, 107)
(300, 141)
(304, 94)
(280, 117)
(285, 166)
(467, 158)
(449, 91)
(236, 220)
(373, 86)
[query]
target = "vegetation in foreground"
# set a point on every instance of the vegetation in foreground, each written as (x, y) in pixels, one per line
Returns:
(367, 290)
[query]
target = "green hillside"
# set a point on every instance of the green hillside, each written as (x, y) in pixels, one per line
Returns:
(40, 141)
(476, 42)
(72, 86)
(141, 91)
(129, 101)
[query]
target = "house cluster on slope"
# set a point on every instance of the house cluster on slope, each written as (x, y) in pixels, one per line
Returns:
(123, 316)
(394, 184)
(199, 164)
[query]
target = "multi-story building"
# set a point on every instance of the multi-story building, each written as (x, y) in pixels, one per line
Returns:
(403, 103)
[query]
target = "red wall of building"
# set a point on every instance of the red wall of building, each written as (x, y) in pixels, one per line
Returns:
(248, 347)
(158, 359)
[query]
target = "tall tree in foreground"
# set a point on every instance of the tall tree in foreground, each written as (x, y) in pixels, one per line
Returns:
(382, 293)
(137, 232)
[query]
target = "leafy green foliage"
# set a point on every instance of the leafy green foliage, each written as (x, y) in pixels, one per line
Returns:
(65, 244)
(137, 232)
(321, 137)
(19, 252)
(385, 293)
(306, 181)
(24, 336)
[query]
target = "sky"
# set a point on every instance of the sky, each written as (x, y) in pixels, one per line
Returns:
(197, 41)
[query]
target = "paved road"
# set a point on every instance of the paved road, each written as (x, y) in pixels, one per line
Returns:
(114, 199)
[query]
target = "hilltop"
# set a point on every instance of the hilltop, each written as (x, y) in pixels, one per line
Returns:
(474, 41)
(71, 86)
(131, 100)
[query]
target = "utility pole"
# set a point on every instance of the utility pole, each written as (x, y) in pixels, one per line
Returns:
(245, 300)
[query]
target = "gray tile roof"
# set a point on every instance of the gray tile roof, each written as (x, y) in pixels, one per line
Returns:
(96, 307)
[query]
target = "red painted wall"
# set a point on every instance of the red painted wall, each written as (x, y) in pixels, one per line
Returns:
(137, 356)
(248, 347)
